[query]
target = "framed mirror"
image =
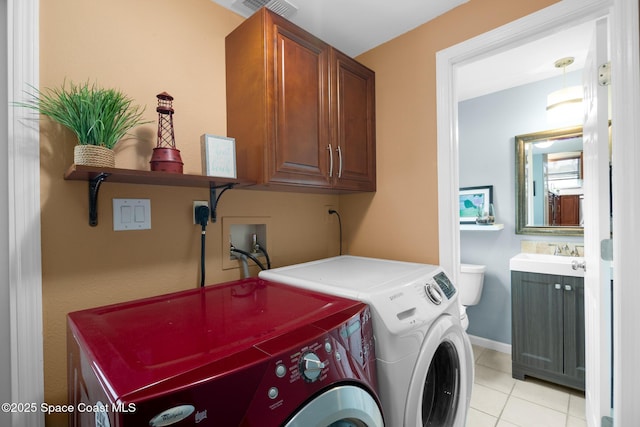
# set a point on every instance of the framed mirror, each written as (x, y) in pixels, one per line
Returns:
(549, 192)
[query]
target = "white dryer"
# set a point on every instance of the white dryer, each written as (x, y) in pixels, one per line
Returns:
(424, 357)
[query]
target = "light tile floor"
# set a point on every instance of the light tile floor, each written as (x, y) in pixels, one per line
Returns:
(498, 400)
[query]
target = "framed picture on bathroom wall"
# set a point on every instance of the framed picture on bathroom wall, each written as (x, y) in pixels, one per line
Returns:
(474, 202)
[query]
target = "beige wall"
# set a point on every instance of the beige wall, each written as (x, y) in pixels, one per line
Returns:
(144, 47)
(401, 220)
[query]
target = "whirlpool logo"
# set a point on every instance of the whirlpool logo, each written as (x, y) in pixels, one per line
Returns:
(171, 416)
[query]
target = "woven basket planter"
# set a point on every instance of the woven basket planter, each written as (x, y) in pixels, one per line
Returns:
(94, 155)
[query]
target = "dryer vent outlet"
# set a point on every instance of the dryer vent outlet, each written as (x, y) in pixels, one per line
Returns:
(281, 7)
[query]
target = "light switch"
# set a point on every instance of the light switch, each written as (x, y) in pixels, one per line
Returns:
(139, 214)
(131, 214)
(125, 214)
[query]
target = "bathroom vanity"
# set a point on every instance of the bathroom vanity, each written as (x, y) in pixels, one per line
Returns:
(548, 331)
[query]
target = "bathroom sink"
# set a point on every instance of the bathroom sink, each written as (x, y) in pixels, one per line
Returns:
(546, 264)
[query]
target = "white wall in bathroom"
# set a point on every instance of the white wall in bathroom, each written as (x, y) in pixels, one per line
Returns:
(487, 129)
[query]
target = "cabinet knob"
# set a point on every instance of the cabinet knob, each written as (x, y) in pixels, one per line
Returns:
(558, 286)
(575, 264)
(567, 287)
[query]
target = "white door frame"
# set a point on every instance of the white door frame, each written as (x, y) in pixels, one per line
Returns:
(25, 270)
(597, 278)
(625, 85)
(625, 58)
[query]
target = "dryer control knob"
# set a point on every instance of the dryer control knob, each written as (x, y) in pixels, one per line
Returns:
(433, 294)
(311, 367)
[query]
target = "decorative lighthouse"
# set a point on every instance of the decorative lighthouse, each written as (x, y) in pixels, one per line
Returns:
(166, 157)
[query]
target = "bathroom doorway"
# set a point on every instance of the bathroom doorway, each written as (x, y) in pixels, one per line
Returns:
(543, 23)
(499, 97)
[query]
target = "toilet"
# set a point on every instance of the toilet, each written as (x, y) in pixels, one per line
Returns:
(470, 287)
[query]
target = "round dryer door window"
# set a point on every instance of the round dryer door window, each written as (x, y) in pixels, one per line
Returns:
(341, 406)
(440, 388)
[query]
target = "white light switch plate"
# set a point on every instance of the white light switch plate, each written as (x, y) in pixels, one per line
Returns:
(131, 214)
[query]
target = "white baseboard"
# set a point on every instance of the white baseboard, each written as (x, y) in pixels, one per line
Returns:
(490, 344)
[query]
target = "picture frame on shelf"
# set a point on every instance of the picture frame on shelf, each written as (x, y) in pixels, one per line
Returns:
(474, 202)
(218, 156)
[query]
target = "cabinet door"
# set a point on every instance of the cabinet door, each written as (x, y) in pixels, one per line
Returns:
(353, 115)
(554, 210)
(537, 321)
(299, 148)
(569, 210)
(574, 330)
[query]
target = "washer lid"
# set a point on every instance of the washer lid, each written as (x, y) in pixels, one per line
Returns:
(396, 290)
(134, 345)
(349, 276)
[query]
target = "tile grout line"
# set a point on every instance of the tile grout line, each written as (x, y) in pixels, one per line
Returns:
(505, 405)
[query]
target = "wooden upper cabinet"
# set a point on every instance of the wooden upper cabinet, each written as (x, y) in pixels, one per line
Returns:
(302, 113)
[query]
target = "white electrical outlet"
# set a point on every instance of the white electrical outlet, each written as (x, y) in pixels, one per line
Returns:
(197, 203)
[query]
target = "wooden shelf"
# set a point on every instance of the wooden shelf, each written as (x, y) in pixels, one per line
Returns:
(477, 227)
(133, 176)
(96, 176)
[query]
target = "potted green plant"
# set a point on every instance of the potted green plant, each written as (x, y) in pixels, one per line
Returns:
(98, 117)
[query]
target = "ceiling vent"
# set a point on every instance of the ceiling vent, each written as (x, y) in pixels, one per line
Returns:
(281, 7)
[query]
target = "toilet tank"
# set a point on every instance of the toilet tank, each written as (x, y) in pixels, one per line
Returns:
(470, 283)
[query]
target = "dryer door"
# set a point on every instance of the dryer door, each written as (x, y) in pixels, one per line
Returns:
(342, 406)
(442, 378)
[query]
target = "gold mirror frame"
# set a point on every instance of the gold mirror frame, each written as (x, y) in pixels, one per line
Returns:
(521, 194)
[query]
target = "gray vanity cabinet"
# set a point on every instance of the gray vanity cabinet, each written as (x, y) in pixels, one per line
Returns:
(547, 328)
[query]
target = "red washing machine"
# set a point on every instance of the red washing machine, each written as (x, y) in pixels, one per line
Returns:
(245, 353)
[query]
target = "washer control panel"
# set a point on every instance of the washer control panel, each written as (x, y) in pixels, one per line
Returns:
(413, 300)
(314, 358)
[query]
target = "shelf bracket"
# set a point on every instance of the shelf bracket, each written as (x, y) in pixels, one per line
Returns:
(213, 199)
(94, 187)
